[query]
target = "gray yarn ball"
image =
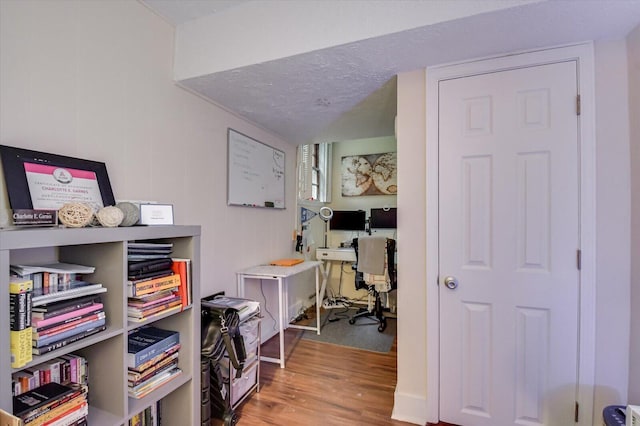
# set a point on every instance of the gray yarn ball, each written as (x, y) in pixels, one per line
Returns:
(131, 213)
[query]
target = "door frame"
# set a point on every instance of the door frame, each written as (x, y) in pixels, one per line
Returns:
(583, 55)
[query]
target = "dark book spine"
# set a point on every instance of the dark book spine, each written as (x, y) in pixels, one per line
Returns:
(18, 311)
(40, 314)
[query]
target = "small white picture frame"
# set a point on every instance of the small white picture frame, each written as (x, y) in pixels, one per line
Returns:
(156, 214)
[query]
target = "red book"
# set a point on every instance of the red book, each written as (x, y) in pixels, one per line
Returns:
(181, 267)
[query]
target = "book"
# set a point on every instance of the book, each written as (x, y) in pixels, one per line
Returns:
(41, 323)
(19, 303)
(58, 267)
(170, 365)
(156, 359)
(151, 298)
(57, 345)
(151, 274)
(147, 342)
(57, 408)
(135, 377)
(182, 267)
(17, 347)
(149, 266)
(29, 401)
(142, 287)
(156, 308)
(64, 306)
(154, 383)
(50, 339)
(155, 315)
(71, 293)
(56, 329)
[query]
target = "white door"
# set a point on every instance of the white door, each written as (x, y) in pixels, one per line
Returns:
(509, 237)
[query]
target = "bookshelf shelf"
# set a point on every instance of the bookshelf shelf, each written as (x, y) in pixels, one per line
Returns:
(106, 352)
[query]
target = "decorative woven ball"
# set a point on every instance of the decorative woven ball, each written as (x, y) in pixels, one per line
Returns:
(110, 216)
(131, 213)
(75, 215)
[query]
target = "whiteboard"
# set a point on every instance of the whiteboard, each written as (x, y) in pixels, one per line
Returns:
(255, 173)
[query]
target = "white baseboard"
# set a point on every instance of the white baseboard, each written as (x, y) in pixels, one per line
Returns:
(410, 408)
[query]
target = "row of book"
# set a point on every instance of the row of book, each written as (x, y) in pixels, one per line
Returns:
(53, 404)
(151, 416)
(66, 369)
(152, 359)
(41, 323)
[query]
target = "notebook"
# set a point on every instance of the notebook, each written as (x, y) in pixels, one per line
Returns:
(286, 262)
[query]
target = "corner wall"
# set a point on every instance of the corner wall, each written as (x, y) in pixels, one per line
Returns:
(633, 58)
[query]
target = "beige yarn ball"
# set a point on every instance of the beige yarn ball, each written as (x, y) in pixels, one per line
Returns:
(75, 215)
(110, 216)
(131, 213)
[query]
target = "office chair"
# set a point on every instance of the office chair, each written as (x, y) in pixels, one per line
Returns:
(374, 307)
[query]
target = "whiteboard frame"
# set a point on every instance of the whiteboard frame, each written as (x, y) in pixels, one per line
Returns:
(232, 199)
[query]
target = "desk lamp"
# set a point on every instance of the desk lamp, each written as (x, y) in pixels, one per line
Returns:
(326, 213)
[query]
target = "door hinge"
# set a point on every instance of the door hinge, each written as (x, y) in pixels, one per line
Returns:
(578, 106)
(577, 411)
(579, 259)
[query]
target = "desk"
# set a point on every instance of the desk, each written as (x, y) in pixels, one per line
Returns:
(330, 255)
(279, 274)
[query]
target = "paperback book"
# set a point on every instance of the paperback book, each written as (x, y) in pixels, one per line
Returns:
(147, 342)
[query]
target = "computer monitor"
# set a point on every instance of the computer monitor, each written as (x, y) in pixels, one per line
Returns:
(348, 220)
(383, 218)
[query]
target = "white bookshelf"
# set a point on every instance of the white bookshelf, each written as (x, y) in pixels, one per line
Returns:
(106, 352)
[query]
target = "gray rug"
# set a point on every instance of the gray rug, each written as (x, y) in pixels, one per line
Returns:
(363, 334)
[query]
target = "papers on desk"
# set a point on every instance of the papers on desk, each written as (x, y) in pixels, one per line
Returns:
(246, 308)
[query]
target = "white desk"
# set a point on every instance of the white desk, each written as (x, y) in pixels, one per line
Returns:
(279, 275)
(330, 255)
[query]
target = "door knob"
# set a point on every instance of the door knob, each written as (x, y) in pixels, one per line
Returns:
(451, 282)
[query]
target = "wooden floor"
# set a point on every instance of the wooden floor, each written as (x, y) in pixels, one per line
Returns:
(322, 384)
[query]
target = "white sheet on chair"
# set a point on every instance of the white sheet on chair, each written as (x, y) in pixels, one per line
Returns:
(371, 254)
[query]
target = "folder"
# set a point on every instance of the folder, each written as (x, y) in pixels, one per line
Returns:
(286, 262)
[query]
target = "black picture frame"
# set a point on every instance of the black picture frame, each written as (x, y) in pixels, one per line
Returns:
(13, 164)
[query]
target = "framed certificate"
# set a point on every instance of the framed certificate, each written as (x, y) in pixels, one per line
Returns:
(40, 180)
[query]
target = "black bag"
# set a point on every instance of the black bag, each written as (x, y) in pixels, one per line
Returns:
(220, 335)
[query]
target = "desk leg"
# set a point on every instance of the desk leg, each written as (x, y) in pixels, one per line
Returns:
(240, 285)
(282, 320)
(319, 297)
(326, 271)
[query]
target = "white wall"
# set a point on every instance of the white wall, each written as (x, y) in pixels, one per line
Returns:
(93, 79)
(411, 389)
(613, 225)
(633, 51)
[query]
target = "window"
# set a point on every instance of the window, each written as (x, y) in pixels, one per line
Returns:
(314, 172)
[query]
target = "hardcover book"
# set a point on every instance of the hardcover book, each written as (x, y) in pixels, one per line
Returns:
(24, 403)
(50, 339)
(147, 342)
(41, 324)
(142, 287)
(156, 359)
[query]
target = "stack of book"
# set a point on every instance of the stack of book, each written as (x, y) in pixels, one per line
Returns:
(60, 323)
(151, 416)
(52, 404)
(152, 359)
(67, 369)
(157, 284)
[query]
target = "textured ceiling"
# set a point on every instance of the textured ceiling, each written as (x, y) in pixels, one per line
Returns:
(348, 91)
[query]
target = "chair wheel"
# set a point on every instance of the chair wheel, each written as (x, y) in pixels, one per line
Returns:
(352, 321)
